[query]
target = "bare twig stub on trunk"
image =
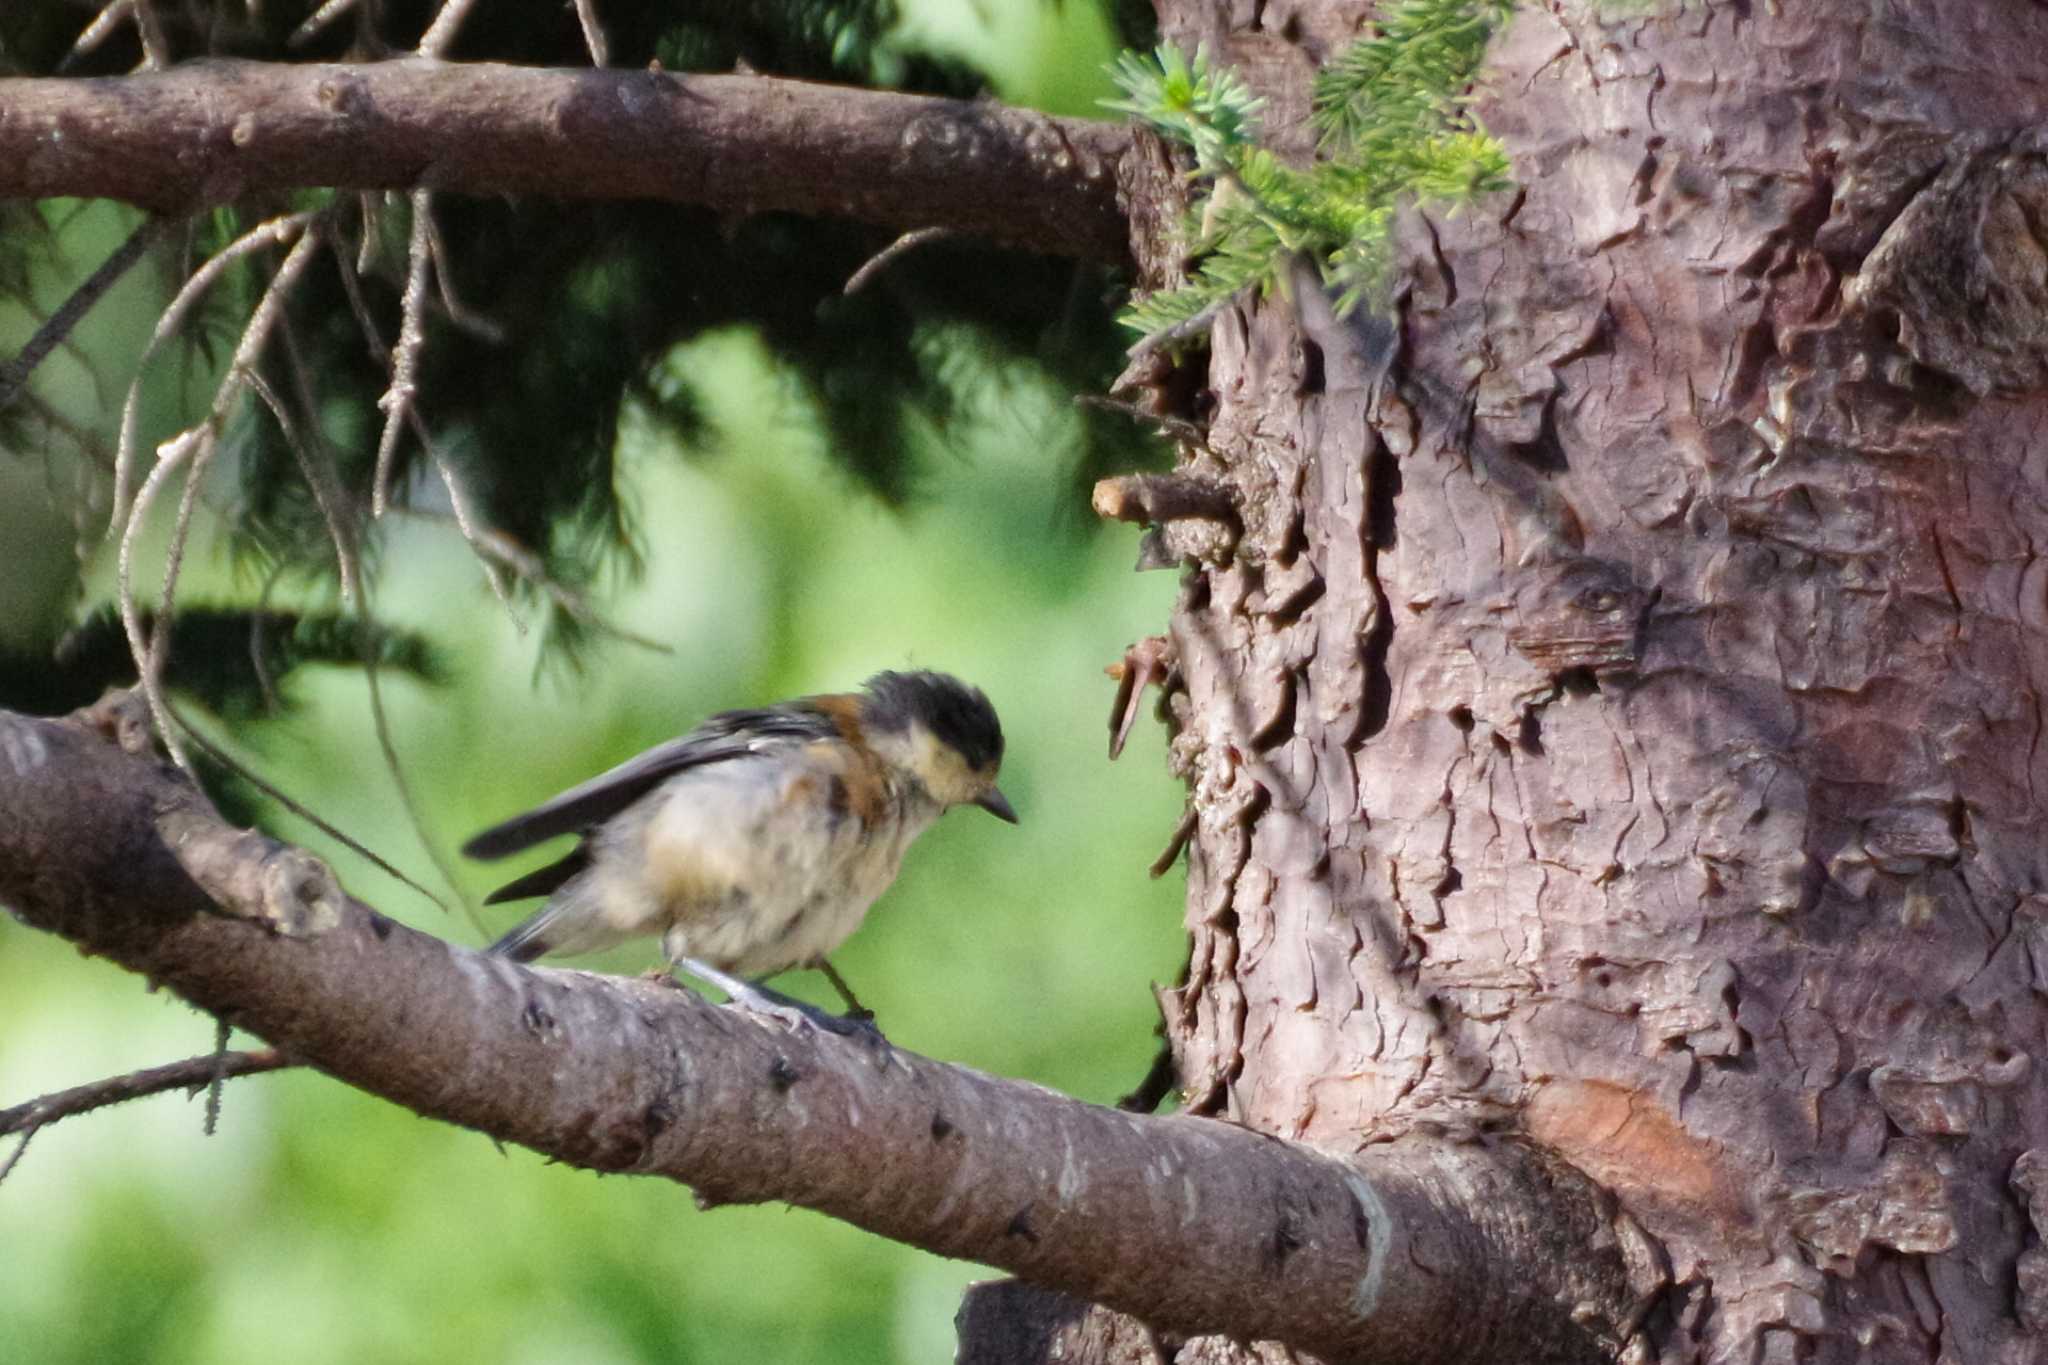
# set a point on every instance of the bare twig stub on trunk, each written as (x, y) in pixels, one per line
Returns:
(1195, 1225)
(210, 132)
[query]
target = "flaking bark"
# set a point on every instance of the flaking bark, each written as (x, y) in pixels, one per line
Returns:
(1622, 726)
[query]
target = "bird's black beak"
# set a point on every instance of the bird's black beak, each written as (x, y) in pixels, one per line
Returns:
(996, 804)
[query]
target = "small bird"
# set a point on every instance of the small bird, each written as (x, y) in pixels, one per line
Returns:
(757, 841)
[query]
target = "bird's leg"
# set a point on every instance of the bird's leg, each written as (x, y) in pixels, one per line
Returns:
(854, 1009)
(758, 999)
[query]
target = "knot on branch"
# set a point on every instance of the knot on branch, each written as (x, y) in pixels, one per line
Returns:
(121, 717)
(1578, 613)
(253, 877)
(300, 895)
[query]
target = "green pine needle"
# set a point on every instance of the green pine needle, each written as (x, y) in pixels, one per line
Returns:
(1393, 124)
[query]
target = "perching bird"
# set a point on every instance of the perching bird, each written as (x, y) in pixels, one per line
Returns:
(757, 841)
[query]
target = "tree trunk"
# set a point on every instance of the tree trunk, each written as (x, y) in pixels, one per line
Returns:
(1618, 729)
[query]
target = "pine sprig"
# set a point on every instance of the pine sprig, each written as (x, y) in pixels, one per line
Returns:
(1192, 101)
(1393, 123)
(1407, 81)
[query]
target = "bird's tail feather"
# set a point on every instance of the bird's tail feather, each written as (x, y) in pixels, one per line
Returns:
(529, 939)
(543, 881)
(571, 922)
(555, 927)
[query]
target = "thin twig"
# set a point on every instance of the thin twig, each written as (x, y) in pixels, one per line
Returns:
(528, 566)
(196, 447)
(1177, 427)
(593, 32)
(459, 313)
(352, 273)
(327, 492)
(487, 543)
(370, 204)
(1183, 830)
(242, 770)
(882, 259)
(191, 1074)
(317, 22)
(466, 522)
(482, 541)
(156, 53)
(273, 232)
(434, 42)
(320, 466)
(14, 374)
(171, 457)
(14, 1157)
(98, 31)
(153, 661)
(392, 764)
(257, 621)
(405, 357)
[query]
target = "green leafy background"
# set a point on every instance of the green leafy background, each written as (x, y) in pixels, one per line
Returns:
(319, 1224)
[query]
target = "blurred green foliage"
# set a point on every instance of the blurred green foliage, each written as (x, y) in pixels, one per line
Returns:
(322, 1225)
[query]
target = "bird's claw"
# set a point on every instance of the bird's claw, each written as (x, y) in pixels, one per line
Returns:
(806, 1020)
(798, 1017)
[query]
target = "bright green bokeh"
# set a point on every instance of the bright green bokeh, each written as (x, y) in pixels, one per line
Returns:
(322, 1225)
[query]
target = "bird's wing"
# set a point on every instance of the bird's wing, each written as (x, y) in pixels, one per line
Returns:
(544, 880)
(722, 738)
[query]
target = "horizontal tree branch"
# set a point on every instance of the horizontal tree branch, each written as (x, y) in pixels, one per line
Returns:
(210, 132)
(1417, 1251)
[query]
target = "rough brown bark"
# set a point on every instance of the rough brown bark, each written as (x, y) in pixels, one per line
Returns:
(1192, 1224)
(210, 132)
(1623, 727)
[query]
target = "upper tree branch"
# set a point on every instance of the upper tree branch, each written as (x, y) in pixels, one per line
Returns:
(210, 132)
(1417, 1252)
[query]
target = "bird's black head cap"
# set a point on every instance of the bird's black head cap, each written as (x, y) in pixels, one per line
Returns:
(955, 713)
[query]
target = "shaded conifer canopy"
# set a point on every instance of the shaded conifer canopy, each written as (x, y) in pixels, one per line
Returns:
(547, 321)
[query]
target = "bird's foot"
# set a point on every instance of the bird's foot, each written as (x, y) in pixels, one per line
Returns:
(802, 1017)
(854, 1009)
(797, 1015)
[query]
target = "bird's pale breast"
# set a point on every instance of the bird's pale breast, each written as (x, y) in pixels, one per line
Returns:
(749, 866)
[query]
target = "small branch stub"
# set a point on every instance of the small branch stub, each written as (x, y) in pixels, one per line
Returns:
(1155, 499)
